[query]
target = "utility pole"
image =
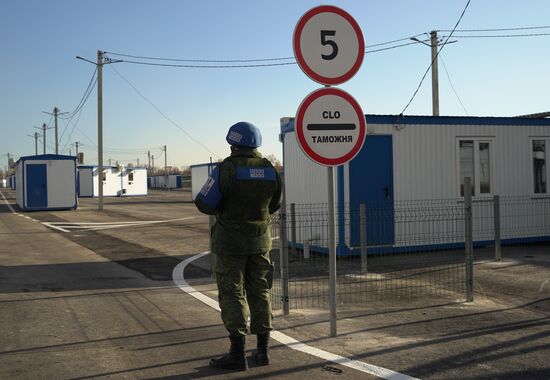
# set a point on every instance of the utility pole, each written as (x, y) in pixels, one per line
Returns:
(44, 136)
(138, 162)
(99, 65)
(165, 168)
(100, 126)
(76, 144)
(36, 143)
(434, 44)
(435, 76)
(153, 168)
(55, 114)
(149, 160)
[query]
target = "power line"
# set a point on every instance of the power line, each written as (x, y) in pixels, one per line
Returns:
(85, 96)
(222, 63)
(79, 107)
(200, 60)
(502, 35)
(392, 47)
(242, 60)
(452, 87)
(435, 57)
(209, 66)
(163, 114)
(499, 29)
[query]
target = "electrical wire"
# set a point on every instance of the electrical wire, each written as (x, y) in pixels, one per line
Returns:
(80, 106)
(251, 63)
(200, 60)
(452, 87)
(163, 114)
(393, 47)
(433, 60)
(209, 66)
(237, 60)
(84, 96)
(502, 35)
(499, 29)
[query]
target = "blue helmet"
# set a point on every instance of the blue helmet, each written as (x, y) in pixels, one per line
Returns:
(244, 134)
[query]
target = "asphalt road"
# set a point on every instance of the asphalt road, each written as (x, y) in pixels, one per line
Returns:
(99, 301)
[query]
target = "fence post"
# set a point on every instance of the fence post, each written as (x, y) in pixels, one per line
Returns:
(293, 227)
(468, 239)
(496, 223)
(211, 222)
(283, 259)
(363, 236)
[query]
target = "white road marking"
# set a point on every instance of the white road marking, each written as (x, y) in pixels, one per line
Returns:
(7, 203)
(543, 283)
(179, 280)
(94, 226)
(55, 227)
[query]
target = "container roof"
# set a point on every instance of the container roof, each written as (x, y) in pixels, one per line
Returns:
(47, 157)
(442, 120)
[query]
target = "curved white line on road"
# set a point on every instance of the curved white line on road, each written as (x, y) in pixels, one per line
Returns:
(179, 280)
(7, 203)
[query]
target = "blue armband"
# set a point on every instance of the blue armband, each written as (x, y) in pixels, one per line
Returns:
(210, 194)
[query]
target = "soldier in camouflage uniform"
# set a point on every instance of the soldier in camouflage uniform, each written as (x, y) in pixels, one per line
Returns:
(242, 192)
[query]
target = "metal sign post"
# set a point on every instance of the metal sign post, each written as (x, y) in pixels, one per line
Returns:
(332, 252)
(330, 125)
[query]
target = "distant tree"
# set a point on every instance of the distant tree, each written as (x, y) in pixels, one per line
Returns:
(275, 162)
(185, 170)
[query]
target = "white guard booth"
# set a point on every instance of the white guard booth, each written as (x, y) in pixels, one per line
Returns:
(134, 181)
(88, 181)
(422, 160)
(46, 182)
(199, 175)
(117, 181)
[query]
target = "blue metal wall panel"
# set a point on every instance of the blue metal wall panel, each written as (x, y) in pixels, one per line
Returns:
(371, 182)
(37, 186)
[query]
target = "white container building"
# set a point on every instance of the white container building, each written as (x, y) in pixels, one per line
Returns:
(134, 181)
(88, 177)
(3, 183)
(174, 181)
(46, 182)
(199, 175)
(117, 181)
(425, 158)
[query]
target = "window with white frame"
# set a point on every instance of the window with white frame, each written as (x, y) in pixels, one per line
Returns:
(539, 166)
(474, 157)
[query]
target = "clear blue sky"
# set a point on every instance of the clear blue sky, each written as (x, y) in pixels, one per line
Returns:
(38, 69)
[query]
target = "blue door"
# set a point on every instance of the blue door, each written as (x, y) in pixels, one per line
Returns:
(178, 182)
(371, 182)
(37, 186)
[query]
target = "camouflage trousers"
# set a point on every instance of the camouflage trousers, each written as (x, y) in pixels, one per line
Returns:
(243, 289)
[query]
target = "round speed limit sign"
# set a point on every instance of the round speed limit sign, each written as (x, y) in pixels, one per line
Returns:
(328, 45)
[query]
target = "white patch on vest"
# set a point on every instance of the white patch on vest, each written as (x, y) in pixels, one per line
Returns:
(257, 173)
(234, 136)
(207, 186)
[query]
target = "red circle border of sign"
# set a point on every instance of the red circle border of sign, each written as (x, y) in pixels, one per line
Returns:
(298, 51)
(298, 126)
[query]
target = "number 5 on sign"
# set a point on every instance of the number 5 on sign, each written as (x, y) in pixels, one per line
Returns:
(324, 41)
(328, 45)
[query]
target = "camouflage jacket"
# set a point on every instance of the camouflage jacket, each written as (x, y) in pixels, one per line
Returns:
(250, 191)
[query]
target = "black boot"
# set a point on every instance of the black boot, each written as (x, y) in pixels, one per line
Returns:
(260, 356)
(235, 359)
